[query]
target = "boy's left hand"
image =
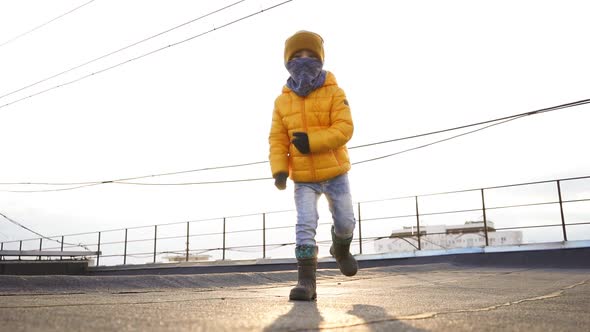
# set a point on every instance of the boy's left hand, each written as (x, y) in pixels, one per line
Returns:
(301, 142)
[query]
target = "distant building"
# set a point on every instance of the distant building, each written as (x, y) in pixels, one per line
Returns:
(471, 234)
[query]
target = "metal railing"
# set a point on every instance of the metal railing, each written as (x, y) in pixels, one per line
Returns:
(544, 211)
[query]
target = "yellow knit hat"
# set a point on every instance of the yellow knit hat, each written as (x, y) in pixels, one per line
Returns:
(304, 40)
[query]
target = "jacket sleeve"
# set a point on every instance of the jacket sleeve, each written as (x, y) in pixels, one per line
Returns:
(340, 130)
(278, 140)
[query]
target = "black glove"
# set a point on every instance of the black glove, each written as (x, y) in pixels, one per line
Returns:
(281, 180)
(301, 142)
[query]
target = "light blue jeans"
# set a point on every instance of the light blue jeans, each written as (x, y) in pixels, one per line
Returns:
(337, 191)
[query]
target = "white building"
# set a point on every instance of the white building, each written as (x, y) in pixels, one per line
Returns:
(436, 237)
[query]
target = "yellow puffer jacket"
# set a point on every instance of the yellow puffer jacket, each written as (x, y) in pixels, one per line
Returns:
(325, 116)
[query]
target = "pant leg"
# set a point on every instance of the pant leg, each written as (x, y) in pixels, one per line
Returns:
(306, 202)
(337, 191)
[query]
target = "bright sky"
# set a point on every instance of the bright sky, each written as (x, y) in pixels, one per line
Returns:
(408, 67)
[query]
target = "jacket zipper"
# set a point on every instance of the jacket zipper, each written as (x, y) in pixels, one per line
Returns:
(313, 174)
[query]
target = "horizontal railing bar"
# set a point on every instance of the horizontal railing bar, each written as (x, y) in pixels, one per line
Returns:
(373, 238)
(391, 217)
(206, 234)
(280, 227)
(473, 210)
(539, 182)
(578, 223)
(47, 253)
(183, 251)
(448, 212)
(244, 231)
(520, 205)
(577, 200)
(139, 240)
(178, 237)
(527, 227)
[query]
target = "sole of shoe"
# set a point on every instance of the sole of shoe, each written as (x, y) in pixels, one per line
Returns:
(301, 295)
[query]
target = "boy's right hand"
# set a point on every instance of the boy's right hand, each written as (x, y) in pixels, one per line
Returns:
(281, 180)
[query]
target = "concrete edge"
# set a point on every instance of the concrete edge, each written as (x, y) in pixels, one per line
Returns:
(44, 267)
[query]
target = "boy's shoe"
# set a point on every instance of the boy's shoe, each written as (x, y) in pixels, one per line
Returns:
(340, 250)
(307, 263)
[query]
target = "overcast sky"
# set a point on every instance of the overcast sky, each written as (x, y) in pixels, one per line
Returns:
(408, 67)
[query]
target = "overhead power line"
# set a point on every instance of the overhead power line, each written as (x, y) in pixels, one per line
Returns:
(91, 183)
(490, 123)
(539, 111)
(146, 54)
(39, 234)
(354, 163)
(51, 190)
(435, 142)
(193, 183)
(44, 24)
(122, 49)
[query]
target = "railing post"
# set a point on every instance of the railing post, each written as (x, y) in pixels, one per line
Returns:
(561, 211)
(40, 246)
(264, 235)
(223, 250)
(155, 241)
(485, 219)
(125, 249)
(98, 253)
(20, 248)
(418, 223)
(1, 248)
(360, 230)
(62, 246)
(187, 239)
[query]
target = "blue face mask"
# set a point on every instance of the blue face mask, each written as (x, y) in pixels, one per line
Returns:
(306, 75)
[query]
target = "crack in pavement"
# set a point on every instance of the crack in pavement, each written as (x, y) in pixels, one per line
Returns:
(223, 298)
(43, 294)
(124, 292)
(429, 315)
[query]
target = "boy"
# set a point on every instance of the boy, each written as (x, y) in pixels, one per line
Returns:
(311, 125)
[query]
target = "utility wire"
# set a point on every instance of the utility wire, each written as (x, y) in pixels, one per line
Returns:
(543, 110)
(44, 24)
(146, 54)
(355, 163)
(192, 183)
(494, 122)
(269, 178)
(52, 190)
(39, 234)
(89, 183)
(435, 142)
(122, 49)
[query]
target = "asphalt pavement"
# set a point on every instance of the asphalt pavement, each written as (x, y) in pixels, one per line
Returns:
(422, 297)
